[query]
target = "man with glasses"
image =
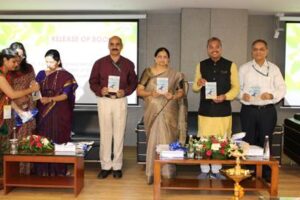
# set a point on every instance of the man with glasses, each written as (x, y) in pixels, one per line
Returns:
(262, 86)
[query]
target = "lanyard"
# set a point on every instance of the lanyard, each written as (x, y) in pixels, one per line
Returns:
(263, 74)
(117, 66)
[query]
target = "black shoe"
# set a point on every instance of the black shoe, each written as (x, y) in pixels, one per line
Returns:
(117, 174)
(103, 174)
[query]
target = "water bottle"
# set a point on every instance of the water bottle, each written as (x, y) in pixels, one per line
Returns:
(266, 148)
(190, 151)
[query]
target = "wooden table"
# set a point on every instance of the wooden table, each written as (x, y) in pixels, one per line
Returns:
(253, 184)
(12, 178)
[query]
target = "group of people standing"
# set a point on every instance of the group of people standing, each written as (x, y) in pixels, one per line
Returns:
(258, 84)
(55, 106)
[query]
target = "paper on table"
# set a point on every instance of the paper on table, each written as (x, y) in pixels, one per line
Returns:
(172, 154)
(70, 147)
(255, 151)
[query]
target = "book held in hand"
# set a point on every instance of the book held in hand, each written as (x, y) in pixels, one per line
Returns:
(162, 85)
(113, 83)
(211, 90)
(254, 91)
(36, 95)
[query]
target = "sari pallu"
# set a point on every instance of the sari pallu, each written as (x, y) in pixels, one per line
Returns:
(55, 118)
(21, 81)
(165, 120)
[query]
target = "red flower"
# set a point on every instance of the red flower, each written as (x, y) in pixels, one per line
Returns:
(38, 138)
(39, 145)
(31, 143)
(34, 143)
(223, 144)
(208, 153)
(222, 151)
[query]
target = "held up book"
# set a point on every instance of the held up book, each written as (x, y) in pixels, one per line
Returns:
(162, 85)
(36, 95)
(113, 83)
(254, 91)
(211, 90)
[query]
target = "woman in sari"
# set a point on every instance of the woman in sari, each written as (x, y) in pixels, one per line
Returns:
(163, 111)
(55, 107)
(8, 62)
(21, 78)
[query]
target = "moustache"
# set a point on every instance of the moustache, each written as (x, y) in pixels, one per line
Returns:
(115, 49)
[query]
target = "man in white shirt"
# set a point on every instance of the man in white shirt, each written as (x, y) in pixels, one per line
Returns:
(261, 86)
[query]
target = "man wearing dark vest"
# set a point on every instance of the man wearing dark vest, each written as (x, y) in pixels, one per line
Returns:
(216, 79)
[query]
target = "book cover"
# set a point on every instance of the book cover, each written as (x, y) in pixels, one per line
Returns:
(162, 85)
(36, 95)
(113, 83)
(211, 90)
(254, 91)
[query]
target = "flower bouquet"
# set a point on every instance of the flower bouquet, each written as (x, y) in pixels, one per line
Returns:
(35, 144)
(214, 147)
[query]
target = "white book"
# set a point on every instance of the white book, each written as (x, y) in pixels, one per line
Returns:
(172, 154)
(255, 151)
(162, 85)
(113, 83)
(254, 91)
(69, 147)
(211, 90)
(36, 95)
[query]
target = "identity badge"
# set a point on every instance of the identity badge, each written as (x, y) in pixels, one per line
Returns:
(7, 112)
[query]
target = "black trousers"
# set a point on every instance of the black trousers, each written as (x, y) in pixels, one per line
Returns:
(257, 122)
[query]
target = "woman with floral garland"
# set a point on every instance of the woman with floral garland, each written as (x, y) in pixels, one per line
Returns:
(21, 78)
(8, 62)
